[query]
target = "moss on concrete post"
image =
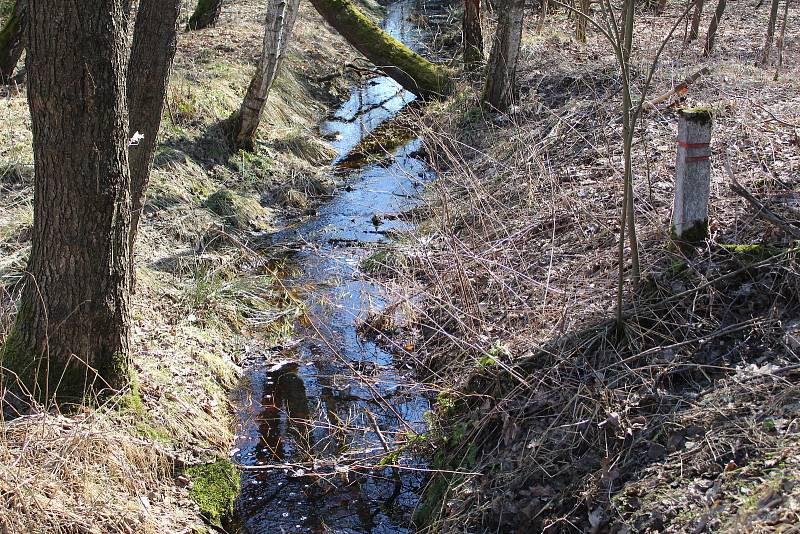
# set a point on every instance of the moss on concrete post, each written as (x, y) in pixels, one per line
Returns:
(692, 176)
(415, 73)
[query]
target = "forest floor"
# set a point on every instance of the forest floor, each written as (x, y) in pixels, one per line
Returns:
(156, 458)
(688, 421)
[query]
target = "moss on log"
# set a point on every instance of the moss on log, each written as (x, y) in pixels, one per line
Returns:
(415, 73)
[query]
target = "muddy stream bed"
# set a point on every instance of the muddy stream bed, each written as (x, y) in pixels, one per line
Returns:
(317, 418)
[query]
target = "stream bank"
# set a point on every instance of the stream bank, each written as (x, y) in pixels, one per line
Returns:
(325, 421)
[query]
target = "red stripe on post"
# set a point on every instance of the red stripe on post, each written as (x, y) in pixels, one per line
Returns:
(684, 144)
(697, 158)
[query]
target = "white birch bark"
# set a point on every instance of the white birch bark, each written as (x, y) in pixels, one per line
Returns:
(280, 19)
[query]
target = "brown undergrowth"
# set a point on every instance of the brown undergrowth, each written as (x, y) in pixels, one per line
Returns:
(686, 420)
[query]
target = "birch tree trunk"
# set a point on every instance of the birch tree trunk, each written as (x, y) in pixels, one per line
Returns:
(473, 35)
(12, 41)
(415, 73)
(500, 91)
(280, 19)
(71, 332)
(152, 52)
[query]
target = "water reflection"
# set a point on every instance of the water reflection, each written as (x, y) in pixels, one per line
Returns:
(315, 427)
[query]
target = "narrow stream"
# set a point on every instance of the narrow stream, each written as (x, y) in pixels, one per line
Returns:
(315, 426)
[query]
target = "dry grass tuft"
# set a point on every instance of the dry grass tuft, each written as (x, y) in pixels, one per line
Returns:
(85, 474)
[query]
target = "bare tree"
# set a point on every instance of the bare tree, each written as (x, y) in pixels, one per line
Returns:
(473, 34)
(280, 19)
(500, 91)
(713, 26)
(12, 41)
(581, 21)
(773, 18)
(152, 52)
(71, 332)
(694, 32)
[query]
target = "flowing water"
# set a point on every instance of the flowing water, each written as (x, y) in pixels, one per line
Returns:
(315, 426)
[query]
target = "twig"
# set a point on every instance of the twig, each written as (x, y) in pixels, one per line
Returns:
(762, 211)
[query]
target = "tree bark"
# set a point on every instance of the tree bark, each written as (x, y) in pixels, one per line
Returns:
(712, 27)
(773, 18)
(205, 14)
(581, 20)
(152, 52)
(280, 19)
(500, 91)
(694, 32)
(12, 41)
(473, 34)
(71, 333)
(415, 73)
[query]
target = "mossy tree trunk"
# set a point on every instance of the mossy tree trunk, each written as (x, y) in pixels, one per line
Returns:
(152, 52)
(415, 73)
(71, 334)
(500, 91)
(12, 41)
(205, 14)
(473, 34)
(280, 19)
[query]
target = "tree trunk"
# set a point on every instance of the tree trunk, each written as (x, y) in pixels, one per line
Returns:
(281, 15)
(542, 15)
(205, 14)
(712, 27)
(152, 52)
(500, 91)
(12, 41)
(694, 32)
(581, 20)
(71, 333)
(415, 73)
(773, 18)
(473, 35)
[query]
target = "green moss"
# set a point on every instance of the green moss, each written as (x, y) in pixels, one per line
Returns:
(751, 253)
(22, 370)
(698, 115)
(410, 69)
(214, 489)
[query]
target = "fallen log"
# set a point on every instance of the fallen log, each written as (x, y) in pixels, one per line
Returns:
(415, 73)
